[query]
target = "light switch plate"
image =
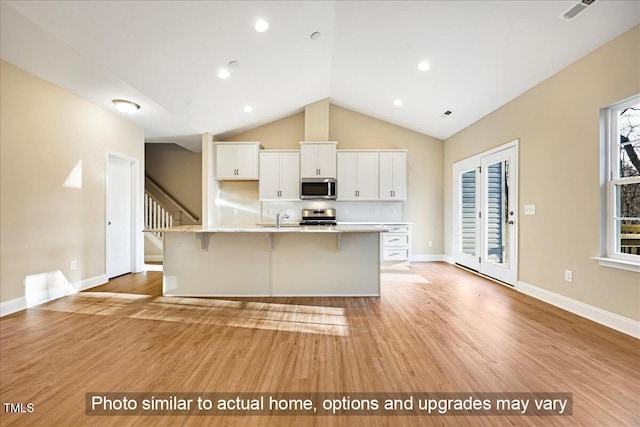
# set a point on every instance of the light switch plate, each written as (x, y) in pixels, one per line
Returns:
(529, 209)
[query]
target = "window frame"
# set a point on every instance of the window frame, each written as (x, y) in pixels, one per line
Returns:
(611, 254)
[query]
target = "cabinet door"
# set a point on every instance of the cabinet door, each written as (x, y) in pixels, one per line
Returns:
(367, 176)
(309, 160)
(290, 176)
(399, 176)
(247, 161)
(327, 160)
(226, 161)
(393, 176)
(268, 185)
(347, 176)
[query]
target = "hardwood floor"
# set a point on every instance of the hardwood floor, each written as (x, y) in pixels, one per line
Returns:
(435, 329)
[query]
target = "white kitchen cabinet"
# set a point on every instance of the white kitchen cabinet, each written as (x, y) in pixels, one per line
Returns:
(318, 159)
(237, 160)
(279, 175)
(393, 175)
(357, 175)
(396, 242)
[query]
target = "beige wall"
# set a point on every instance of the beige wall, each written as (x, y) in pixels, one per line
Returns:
(285, 133)
(44, 132)
(557, 123)
(178, 171)
(424, 169)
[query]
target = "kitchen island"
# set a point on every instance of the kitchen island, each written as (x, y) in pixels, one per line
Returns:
(342, 260)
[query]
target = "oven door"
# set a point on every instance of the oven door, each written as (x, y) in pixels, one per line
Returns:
(318, 189)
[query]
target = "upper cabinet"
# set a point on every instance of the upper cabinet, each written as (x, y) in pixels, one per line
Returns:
(279, 175)
(393, 175)
(357, 175)
(318, 159)
(237, 160)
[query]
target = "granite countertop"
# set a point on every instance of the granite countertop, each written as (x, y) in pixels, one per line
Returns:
(286, 228)
(374, 223)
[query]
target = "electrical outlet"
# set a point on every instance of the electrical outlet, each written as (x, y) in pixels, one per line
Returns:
(568, 276)
(74, 264)
(529, 209)
(430, 243)
(235, 211)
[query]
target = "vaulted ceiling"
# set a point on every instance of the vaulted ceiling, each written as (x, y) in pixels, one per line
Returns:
(166, 57)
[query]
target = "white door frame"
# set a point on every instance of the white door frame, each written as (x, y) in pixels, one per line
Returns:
(136, 224)
(468, 164)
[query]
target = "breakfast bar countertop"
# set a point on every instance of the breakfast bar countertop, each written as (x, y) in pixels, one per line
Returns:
(271, 228)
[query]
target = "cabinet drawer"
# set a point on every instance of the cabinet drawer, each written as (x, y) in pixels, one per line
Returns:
(396, 228)
(393, 254)
(390, 239)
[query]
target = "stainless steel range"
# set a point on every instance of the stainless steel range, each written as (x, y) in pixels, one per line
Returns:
(318, 217)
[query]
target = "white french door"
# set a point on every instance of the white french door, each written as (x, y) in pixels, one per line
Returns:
(485, 213)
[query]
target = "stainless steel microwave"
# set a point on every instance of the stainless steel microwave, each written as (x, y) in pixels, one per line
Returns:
(318, 189)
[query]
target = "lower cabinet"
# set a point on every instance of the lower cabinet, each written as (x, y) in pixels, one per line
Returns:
(396, 242)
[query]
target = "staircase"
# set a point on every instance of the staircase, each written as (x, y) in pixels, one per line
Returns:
(161, 211)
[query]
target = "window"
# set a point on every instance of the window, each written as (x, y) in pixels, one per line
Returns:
(623, 182)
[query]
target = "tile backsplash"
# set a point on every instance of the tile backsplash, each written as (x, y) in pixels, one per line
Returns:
(238, 205)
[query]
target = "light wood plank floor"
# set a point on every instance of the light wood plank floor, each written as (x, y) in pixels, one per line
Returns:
(453, 332)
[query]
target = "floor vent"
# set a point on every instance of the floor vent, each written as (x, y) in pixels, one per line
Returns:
(578, 8)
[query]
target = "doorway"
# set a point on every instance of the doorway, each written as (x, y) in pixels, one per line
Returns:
(486, 213)
(120, 215)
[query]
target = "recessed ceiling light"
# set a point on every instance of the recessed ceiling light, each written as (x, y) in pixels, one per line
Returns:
(224, 74)
(233, 64)
(261, 25)
(424, 66)
(315, 35)
(125, 107)
(248, 108)
(398, 102)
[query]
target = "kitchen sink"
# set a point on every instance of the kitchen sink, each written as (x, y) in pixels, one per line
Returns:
(284, 224)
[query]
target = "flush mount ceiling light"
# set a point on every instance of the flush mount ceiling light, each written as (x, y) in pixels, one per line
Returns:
(233, 64)
(398, 102)
(261, 25)
(248, 108)
(424, 66)
(315, 35)
(125, 107)
(223, 74)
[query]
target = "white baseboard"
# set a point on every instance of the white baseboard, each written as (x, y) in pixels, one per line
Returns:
(598, 315)
(89, 283)
(17, 304)
(427, 258)
(448, 259)
(13, 305)
(153, 258)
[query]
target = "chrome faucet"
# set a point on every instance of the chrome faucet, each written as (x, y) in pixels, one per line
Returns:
(280, 218)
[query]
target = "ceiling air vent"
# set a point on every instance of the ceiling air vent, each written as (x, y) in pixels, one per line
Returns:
(575, 10)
